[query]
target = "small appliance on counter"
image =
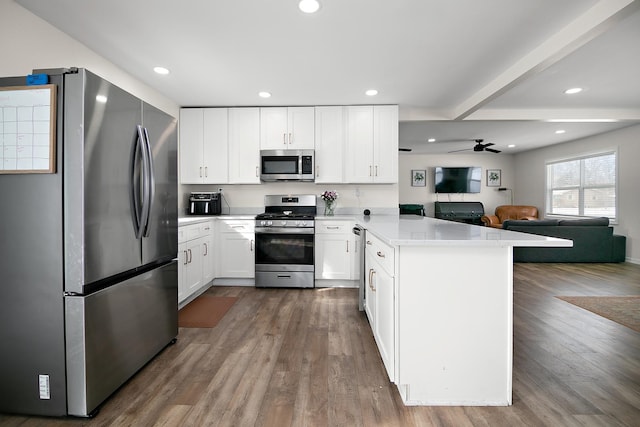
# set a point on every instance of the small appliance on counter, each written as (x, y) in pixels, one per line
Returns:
(204, 203)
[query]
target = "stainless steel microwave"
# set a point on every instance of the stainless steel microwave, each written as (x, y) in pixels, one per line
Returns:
(287, 165)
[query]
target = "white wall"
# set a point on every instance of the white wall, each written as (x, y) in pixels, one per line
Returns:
(30, 43)
(489, 196)
(530, 177)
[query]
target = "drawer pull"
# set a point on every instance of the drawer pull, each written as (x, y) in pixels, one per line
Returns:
(369, 242)
(334, 227)
(380, 254)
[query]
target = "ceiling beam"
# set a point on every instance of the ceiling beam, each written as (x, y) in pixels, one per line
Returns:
(598, 19)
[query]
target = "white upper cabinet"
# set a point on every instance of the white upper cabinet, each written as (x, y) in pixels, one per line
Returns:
(287, 128)
(203, 146)
(371, 154)
(244, 146)
(329, 144)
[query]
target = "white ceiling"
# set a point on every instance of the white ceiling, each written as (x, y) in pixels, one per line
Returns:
(459, 69)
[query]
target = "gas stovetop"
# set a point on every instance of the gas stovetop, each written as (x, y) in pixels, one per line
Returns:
(288, 211)
(282, 220)
(273, 216)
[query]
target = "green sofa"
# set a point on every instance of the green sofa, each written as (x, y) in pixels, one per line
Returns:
(593, 240)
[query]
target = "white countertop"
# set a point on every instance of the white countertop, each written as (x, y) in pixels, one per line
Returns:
(413, 230)
(184, 220)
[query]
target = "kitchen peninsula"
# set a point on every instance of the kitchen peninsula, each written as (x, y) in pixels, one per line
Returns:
(439, 298)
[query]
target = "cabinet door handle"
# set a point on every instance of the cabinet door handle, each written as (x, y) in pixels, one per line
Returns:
(380, 254)
(284, 138)
(289, 138)
(190, 255)
(257, 172)
(206, 249)
(347, 246)
(369, 242)
(200, 171)
(376, 170)
(373, 274)
(369, 170)
(186, 258)
(206, 171)
(251, 245)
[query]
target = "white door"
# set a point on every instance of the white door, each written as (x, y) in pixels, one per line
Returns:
(215, 146)
(273, 128)
(301, 128)
(191, 169)
(329, 143)
(244, 146)
(359, 145)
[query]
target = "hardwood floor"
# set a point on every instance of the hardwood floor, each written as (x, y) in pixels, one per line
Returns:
(307, 358)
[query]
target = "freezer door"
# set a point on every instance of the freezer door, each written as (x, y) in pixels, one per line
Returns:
(100, 140)
(161, 232)
(112, 333)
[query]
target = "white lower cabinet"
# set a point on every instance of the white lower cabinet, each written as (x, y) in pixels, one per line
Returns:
(236, 249)
(380, 299)
(336, 256)
(195, 255)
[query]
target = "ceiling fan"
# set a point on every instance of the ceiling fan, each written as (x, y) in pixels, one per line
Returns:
(479, 147)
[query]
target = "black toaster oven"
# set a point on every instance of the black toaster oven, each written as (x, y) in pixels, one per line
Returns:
(204, 204)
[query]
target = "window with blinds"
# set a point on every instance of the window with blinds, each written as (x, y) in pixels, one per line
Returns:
(583, 186)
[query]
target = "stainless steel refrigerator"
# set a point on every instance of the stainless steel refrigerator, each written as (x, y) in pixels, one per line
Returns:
(88, 270)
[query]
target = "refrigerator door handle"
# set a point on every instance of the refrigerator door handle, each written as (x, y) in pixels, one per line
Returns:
(151, 183)
(137, 188)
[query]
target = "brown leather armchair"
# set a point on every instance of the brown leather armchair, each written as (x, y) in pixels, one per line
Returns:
(506, 212)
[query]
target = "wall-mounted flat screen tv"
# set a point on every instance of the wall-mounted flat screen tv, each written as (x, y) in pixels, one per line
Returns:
(458, 179)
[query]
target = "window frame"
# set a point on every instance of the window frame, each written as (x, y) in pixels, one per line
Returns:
(581, 187)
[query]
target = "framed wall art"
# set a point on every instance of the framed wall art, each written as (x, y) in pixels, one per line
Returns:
(494, 177)
(418, 178)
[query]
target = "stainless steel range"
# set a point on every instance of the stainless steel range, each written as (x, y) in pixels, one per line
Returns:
(284, 242)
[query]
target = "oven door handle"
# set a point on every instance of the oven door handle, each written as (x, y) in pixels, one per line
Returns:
(284, 230)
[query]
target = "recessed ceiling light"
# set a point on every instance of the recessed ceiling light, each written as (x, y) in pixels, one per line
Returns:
(371, 92)
(573, 90)
(582, 120)
(161, 70)
(264, 94)
(560, 131)
(511, 145)
(309, 6)
(431, 140)
(101, 99)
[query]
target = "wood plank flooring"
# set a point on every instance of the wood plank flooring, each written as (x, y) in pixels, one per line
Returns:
(307, 358)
